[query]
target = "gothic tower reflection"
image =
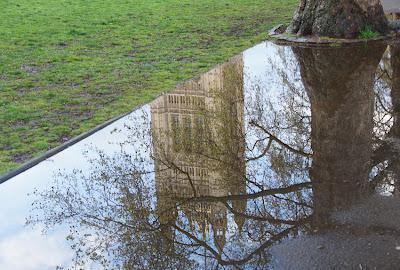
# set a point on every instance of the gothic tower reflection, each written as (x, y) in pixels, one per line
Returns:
(198, 141)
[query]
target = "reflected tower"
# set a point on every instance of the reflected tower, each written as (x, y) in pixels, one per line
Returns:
(198, 146)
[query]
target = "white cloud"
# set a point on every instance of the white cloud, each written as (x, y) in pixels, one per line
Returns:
(30, 250)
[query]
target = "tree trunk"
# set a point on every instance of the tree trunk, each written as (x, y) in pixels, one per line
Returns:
(339, 83)
(338, 18)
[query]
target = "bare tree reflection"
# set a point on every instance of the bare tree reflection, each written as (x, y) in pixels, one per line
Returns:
(386, 153)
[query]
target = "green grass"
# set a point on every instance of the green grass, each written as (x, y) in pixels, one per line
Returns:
(68, 65)
(368, 33)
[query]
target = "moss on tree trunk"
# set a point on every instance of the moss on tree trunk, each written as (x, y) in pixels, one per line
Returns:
(338, 18)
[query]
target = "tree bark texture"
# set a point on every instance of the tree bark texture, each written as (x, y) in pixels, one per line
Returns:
(338, 18)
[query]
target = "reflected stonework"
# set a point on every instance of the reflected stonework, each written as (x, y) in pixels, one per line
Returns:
(199, 149)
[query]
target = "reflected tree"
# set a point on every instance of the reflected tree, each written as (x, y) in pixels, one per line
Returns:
(342, 109)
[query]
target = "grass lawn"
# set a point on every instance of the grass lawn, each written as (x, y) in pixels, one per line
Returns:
(68, 65)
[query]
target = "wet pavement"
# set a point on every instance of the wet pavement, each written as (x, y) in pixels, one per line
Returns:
(281, 158)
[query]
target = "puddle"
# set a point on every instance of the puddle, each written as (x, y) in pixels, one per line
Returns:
(391, 6)
(281, 158)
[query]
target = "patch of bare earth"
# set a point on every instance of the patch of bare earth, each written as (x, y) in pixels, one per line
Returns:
(35, 69)
(21, 157)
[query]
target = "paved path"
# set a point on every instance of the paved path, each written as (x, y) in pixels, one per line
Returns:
(392, 6)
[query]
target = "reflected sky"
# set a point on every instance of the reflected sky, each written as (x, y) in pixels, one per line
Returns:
(279, 158)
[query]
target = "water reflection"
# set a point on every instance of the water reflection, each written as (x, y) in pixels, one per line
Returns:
(199, 149)
(226, 171)
(339, 83)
